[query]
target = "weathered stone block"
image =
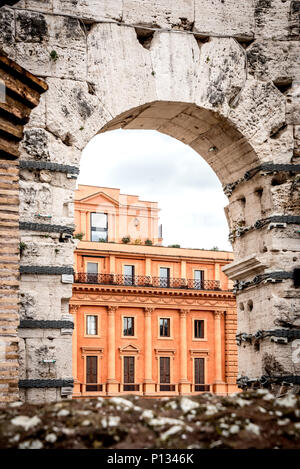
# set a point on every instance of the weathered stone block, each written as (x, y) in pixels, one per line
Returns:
(79, 115)
(97, 10)
(214, 17)
(51, 46)
(159, 13)
(109, 45)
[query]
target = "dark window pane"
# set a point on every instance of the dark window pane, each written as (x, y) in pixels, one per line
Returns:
(128, 326)
(164, 327)
(164, 276)
(164, 363)
(198, 329)
(199, 370)
(198, 279)
(128, 370)
(91, 369)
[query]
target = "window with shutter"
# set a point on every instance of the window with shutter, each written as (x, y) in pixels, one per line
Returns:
(199, 279)
(128, 370)
(91, 373)
(199, 373)
(128, 326)
(198, 329)
(165, 377)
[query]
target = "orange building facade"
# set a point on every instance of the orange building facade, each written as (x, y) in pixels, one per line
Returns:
(149, 320)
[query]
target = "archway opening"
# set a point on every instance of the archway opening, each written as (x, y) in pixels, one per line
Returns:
(137, 276)
(157, 167)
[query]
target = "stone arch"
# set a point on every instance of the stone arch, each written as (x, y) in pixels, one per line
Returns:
(206, 88)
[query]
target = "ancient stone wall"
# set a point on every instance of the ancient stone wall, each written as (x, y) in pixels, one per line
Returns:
(219, 75)
(19, 93)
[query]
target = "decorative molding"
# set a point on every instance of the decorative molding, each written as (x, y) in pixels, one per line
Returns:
(74, 308)
(40, 324)
(45, 227)
(46, 383)
(165, 351)
(246, 267)
(49, 166)
(91, 349)
(269, 277)
(199, 353)
(112, 309)
(130, 348)
(266, 168)
(45, 270)
(149, 311)
(163, 293)
(218, 314)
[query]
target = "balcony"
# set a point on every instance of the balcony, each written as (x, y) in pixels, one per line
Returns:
(146, 281)
(200, 388)
(87, 387)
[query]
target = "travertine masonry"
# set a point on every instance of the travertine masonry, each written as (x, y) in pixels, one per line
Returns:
(221, 76)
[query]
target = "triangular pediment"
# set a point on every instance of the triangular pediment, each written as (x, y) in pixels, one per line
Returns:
(99, 198)
(130, 348)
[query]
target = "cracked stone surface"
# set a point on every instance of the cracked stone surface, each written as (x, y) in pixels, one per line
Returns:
(252, 420)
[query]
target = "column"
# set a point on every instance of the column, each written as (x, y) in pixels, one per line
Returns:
(88, 228)
(185, 387)
(219, 385)
(149, 385)
(112, 384)
(112, 264)
(183, 270)
(83, 227)
(73, 309)
(217, 272)
(148, 267)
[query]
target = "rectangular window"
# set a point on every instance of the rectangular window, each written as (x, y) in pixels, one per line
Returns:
(199, 373)
(164, 277)
(164, 327)
(129, 370)
(164, 365)
(128, 326)
(91, 373)
(92, 267)
(198, 329)
(91, 325)
(129, 274)
(92, 272)
(199, 279)
(99, 226)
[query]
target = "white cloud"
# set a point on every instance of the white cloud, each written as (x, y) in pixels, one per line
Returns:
(159, 168)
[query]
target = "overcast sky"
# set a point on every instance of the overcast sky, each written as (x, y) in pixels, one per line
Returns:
(162, 169)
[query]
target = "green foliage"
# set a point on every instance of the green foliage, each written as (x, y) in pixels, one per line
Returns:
(148, 242)
(174, 246)
(126, 239)
(102, 240)
(53, 55)
(138, 241)
(78, 236)
(215, 248)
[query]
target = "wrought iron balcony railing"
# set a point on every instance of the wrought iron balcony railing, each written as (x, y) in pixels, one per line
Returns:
(146, 281)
